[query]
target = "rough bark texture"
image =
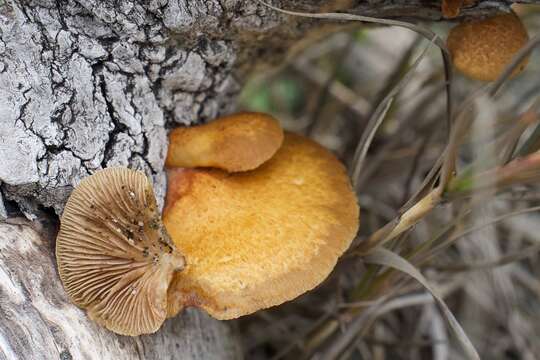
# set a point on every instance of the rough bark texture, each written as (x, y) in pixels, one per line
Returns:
(87, 84)
(38, 321)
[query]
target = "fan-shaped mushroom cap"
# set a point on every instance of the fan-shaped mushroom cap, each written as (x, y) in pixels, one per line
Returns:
(233, 143)
(114, 256)
(482, 48)
(259, 238)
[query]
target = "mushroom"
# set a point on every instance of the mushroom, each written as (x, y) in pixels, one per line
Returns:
(251, 239)
(451, 8)
(482, 48)
(259, 238)
(114, 256)
(233, 143)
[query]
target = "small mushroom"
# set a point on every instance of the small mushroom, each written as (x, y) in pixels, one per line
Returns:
(114, 256)
(482, 48)
(451, 8)
(233, 143)
(259, 238)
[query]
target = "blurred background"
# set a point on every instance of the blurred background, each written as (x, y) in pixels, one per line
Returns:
(479, 247)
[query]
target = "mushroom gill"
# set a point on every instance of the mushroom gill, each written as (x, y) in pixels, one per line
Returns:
(114, 256)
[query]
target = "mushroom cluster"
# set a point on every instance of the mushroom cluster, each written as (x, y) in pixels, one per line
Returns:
(254, 217)
(481, 49)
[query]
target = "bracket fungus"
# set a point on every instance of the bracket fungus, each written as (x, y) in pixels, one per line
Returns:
(256, 239)
(233, 143)
(482, 48)
(114, 256)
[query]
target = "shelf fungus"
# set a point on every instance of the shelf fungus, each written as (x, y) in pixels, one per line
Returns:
(481, 49)
(233, 143)
(259, 238)
(114, 256)
(250, 239)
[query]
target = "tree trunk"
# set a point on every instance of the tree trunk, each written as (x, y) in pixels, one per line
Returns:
(38, 322)
(89, 84)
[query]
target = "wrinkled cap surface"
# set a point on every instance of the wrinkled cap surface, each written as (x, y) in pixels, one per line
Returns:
(481, 49)
(233, 143)
(114, 256)
(259, 238)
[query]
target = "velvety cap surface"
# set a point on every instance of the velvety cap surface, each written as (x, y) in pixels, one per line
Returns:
(482, 48)
(233, 143)
(259, 238)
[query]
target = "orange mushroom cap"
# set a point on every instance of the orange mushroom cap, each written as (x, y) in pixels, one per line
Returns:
(481, 49)
(233, 143)
(259, 238)
(114, 256)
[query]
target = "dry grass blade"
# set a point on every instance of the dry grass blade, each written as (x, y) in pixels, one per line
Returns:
(426, 33)
(376, 159)
(516, 61)
(442, 246)
(415, 164)
(511, 139)
(532, 143)
(396, 73)
(459, 131)
(365, 319)
(319, 100)
(520, 171)
(409, 216)
(419, 299)
(524, 253)
(377, 118)
(416, 210)
(297, 340)
(402, 223)
(381, 256)
(360, 322)
(360, 326)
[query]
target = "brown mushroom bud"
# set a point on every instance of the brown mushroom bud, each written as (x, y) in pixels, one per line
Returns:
(259, 238)
(451, 8)
(114, 256)
(481, 49)
(233, 143)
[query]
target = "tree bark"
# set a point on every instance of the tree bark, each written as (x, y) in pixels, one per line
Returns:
(37, 321)
(89, 84)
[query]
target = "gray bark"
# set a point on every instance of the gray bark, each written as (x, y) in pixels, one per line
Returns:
(38, 321)
(88, 84)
